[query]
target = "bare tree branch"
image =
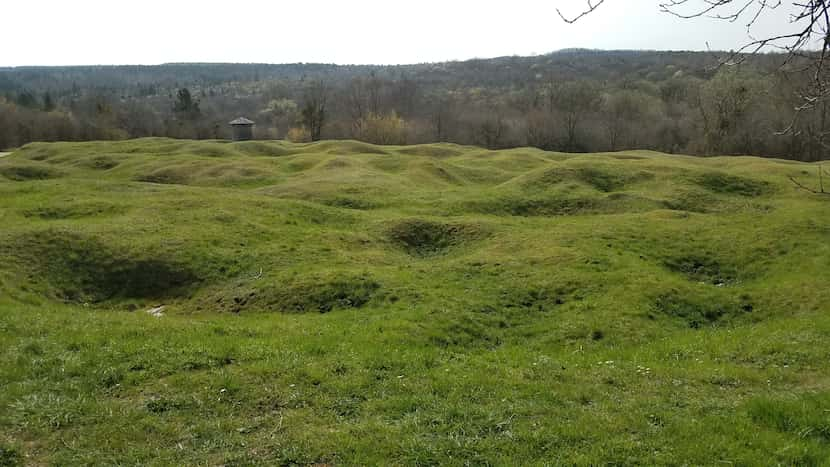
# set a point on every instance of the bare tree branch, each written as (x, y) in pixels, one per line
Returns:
(806, 46)
(592, 5)
(809, 39)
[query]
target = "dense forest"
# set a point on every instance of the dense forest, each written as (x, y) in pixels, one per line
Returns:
(571, 100)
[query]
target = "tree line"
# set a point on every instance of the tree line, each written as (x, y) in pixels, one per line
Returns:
(573, 100)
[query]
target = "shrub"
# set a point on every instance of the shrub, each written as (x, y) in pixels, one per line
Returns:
(9, 457)
(298, 135)
(382, 129)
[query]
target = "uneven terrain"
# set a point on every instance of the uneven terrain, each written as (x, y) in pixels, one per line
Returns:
(347, 304)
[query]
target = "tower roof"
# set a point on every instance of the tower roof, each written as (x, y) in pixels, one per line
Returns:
(242, 121)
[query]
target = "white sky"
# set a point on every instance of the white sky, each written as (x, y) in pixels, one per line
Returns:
(86, 32)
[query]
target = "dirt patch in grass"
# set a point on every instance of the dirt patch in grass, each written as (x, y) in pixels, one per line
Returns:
(80, 268)
(27, 172)
(423, 238)
(719, 182)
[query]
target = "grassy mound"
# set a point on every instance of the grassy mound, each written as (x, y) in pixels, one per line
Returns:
(604, 179)
(339, 303)
(720, 182)
(323, 294)
(74, 211)
(314, 293)
(432, 150)
(25, 172)
(540, 206)
(259, 148)
(167, 175)
(350, 203)
(344, 148)
(431, 172)
(100, 163)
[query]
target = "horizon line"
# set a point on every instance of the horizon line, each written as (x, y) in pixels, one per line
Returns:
(566, 50)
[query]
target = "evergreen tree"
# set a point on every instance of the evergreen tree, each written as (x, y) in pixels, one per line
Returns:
(185, 106)
(48, 103)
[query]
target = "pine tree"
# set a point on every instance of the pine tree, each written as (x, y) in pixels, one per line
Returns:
(48, 103)
(185, 105)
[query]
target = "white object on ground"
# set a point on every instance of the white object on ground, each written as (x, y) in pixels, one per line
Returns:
(158, 311)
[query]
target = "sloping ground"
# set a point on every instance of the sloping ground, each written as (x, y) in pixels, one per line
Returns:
(344, 303)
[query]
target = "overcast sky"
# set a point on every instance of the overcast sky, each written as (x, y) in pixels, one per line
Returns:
(84, 32)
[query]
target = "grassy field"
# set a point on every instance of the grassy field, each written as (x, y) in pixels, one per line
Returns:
(339, 303)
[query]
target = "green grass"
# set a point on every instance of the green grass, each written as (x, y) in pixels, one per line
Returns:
(349, 304)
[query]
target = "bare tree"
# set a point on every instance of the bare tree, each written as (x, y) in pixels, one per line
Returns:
(619, 110)
(491, 130)
(805, 39)
(441, 119)
(374, 85)
(357, 104)
(314, 109)
(574, 101)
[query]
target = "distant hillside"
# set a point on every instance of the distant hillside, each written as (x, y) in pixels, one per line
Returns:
(566, 64)
(571, 100)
